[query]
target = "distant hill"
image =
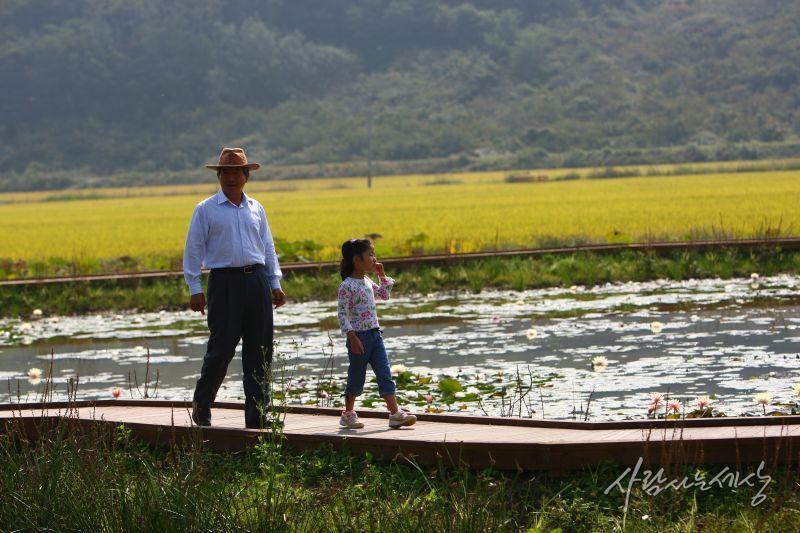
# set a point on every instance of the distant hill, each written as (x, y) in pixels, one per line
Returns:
(97, 87)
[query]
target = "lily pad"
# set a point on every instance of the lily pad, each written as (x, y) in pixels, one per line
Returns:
(450, 386)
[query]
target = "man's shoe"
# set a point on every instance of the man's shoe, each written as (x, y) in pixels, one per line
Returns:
(201, 416)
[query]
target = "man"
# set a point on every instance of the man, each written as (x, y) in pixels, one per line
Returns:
(229, 234)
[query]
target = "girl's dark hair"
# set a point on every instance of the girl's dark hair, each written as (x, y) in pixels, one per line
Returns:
(350, 249)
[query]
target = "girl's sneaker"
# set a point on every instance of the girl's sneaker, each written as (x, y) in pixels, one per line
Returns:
(350, 420)
(401, 418)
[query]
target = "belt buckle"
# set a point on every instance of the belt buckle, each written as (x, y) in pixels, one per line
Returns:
(248, 269)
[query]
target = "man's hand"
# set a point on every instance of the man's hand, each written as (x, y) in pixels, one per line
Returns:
(278, 297)
(198, 302)
(355, 343)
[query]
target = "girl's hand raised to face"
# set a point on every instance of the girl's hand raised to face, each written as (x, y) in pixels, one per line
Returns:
(379, 269)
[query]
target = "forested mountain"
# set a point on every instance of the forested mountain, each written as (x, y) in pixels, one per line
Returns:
(96, 87)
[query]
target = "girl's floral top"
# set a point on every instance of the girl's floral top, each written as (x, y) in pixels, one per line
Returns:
(357, 302)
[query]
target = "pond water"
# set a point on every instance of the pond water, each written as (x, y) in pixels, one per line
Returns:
(728, 339)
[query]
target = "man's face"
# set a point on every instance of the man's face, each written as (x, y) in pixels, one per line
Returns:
(232, 180)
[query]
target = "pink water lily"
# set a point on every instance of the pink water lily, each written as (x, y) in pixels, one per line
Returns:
(656, 398)
(703, 402)
(115, 392)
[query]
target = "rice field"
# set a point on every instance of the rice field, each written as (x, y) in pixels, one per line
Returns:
(457, 212)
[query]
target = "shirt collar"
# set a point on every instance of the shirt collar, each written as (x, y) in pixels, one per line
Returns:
(221, 198)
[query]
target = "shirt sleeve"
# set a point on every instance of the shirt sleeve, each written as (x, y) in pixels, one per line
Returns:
(384, 288)
(270, 255)
(194, 250)
(343, 312)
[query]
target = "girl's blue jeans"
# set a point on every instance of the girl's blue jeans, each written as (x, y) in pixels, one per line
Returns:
(374, 355)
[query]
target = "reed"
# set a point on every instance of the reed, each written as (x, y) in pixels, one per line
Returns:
(512, 273)
(97, 477)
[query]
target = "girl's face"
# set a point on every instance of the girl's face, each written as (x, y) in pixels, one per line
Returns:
(366, 260)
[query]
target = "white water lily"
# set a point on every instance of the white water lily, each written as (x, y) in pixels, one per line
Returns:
(796, 388)
(34, 373)
(754, 285)
(754, 276)
(460, 394)
(531, 333)
(656, 327)
(37, 312)
(398, 369)
(25, 326)
(763, 398)
(600, 361)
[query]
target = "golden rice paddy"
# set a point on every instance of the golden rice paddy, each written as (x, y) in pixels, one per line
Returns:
(456, 212)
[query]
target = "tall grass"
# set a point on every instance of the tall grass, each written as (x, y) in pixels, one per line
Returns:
(99, 478)
(512, 273)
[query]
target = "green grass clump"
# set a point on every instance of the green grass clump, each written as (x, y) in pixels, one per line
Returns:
(510, 273)
(101, 479)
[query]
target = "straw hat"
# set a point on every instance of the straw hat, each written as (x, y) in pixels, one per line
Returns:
(233, 157)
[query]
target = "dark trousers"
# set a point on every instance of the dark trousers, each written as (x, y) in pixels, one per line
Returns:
(239, 307)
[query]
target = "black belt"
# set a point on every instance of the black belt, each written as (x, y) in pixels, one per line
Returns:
(249, 269)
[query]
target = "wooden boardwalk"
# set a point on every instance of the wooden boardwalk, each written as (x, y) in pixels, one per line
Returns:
(505, 443)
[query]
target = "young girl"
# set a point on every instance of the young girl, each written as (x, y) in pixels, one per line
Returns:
(358, 318)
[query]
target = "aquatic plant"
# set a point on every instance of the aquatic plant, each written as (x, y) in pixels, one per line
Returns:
(656, 398)
(763, 399)
(703, 402)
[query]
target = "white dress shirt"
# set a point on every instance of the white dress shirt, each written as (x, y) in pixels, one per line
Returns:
(222, 234)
